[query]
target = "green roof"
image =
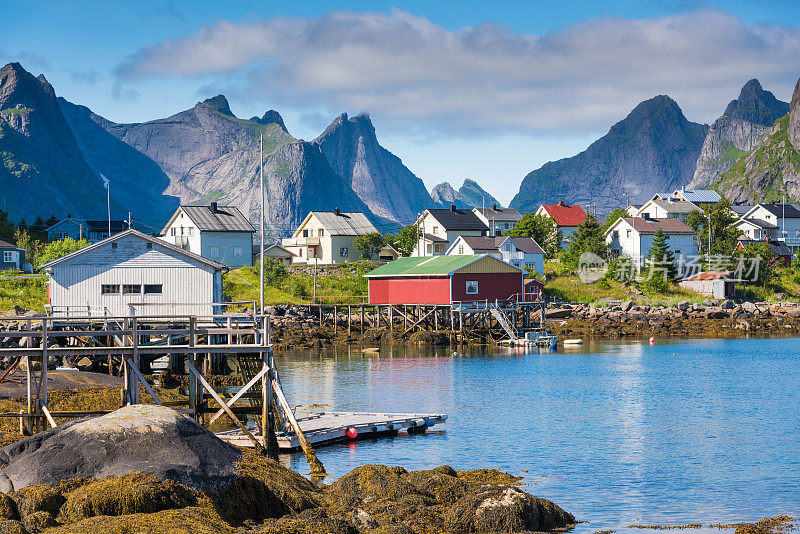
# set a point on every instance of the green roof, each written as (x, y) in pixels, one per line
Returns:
(424, 266)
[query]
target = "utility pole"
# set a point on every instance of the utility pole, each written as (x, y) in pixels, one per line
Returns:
(314, 297)
(261, 260)
(708, 255)
(108, 205)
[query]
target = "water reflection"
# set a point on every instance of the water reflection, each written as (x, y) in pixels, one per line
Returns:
(617, 433)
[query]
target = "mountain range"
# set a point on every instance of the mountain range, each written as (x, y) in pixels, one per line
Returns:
(57, 155)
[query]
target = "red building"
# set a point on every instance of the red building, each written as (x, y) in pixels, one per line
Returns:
(534, 290)
(444, 280)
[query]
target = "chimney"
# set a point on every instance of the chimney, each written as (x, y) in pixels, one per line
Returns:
(69, 215)
(337, 212)
(453, 208)
(646, 216)
(494, 207)
(560, 203)
(213, 207)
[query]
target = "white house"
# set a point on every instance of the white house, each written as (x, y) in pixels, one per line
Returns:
(567, 217)
(521, 252)
(274, 251)
(772, 221)
(218, 233)
(439, 228)
(77, 229)
(497, 218)
(326, 237)
(667, 209)
(133, 268)
(633, 237)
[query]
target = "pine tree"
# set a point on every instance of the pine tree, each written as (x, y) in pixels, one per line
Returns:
(660, 261)
(588, 237)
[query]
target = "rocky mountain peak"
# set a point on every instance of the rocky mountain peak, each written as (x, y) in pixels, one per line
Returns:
(271, 117)
(219, 104)
(793, 131)
(756, 105)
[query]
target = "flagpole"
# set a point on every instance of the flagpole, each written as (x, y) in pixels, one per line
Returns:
(108, 205)
(261, 256)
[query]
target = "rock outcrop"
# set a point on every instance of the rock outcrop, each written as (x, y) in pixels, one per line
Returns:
(376, 175)
(150, 439)
(469, 195)
(655, 148)
(42, 170)
(794, 118)
(742, 127)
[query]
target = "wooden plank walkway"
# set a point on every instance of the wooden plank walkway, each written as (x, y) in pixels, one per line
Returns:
(331, 427)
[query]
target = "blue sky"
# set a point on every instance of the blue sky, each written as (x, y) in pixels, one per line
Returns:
(456, 89)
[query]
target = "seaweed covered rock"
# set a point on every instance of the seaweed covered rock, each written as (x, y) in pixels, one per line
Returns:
(194, 519)
(504, 509)
(38, 521)
(262, 489)
(151, 439)
(41, 498)
(9, 526)
(313, 521)
(133, 493)
(372, 482)
(443, 483)
(8, 508)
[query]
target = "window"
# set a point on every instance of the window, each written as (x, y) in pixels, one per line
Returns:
(615, 235)
(109, 289)
(461, 249)
(305, 233)
(152, 289)
(472, 287)
(321, 232)
(149, 246)
(508, 247)
(61, 235)
(311, 233)
(301, 252)
(215, 252)
(172, 231)
(237, 252)
(8, 256)
(131, 289)
(435, 230)
(343, 252)
(113, 246)
(190, 230)
(627, 233)
(181, 230)
(507, 226)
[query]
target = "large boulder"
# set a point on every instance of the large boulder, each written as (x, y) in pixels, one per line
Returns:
(150, 439)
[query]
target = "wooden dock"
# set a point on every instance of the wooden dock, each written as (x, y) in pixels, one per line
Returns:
(327, 428)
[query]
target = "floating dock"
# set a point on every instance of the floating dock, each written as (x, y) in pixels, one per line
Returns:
(332, 427)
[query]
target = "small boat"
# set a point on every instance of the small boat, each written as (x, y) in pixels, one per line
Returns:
(573, 342)
(541, 339)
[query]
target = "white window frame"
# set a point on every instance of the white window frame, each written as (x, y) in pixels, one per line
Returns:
(238, 252)
(214, 251)
(472, 287)
(9, 256)
(344, 252)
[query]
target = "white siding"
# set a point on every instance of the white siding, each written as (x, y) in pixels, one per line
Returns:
(76, 283)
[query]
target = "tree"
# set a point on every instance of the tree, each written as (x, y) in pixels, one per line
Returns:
(541, 228)
(611, 218)
(660, 262)
(275, 272)
(56, 249)
(407, 239)
(723, 235)
(588, 237)
(33, 247)
(756, 264)
(368, 245)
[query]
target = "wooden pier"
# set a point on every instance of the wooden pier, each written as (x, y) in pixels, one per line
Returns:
(326, 428)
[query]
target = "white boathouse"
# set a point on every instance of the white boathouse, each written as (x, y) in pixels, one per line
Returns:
(132, 268)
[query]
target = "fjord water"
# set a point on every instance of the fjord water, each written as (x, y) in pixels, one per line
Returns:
(618, 433)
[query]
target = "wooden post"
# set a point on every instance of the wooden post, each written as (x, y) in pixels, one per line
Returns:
(317, 469)
(362, 319)
(435, 317)
(195, 392)
(267, 418)
(133, 385)
(391, 317)
(349, 316)
(405, 317)
(43, 375)
(125, 372)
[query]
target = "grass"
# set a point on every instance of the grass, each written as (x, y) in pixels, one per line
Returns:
(30, 294)
(15, 111)
(335, 284)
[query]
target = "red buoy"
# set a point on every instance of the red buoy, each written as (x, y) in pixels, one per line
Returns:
(352, 433)
(652, 341)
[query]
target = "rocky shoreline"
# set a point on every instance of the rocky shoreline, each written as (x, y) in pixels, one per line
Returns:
(297, 328)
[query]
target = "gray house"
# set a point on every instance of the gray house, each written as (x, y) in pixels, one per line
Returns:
(218, 233)
(11, 257)
(132, 271)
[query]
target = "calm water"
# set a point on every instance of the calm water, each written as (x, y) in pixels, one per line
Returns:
(616, 433)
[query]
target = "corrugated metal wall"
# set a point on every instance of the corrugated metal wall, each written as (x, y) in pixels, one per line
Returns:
(488, 264)
(416, 290)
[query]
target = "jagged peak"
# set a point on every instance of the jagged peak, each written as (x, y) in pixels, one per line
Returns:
(756, 105)
(219, 104)
(14, 73)
(271, 117)
(359, 125)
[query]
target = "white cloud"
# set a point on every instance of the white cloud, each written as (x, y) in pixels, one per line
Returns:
(410, 71)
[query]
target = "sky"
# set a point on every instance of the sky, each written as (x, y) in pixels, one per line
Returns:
(456, 89)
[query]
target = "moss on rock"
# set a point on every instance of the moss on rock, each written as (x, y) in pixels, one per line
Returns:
(9, 526)
(133, 493)
(313, 521)
(194, 519)
(38, 521)
(43, 497)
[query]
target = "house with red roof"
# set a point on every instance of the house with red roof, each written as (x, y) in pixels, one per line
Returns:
(567, 217)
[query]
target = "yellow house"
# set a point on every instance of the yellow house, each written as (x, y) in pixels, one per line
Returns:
(326, 237)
